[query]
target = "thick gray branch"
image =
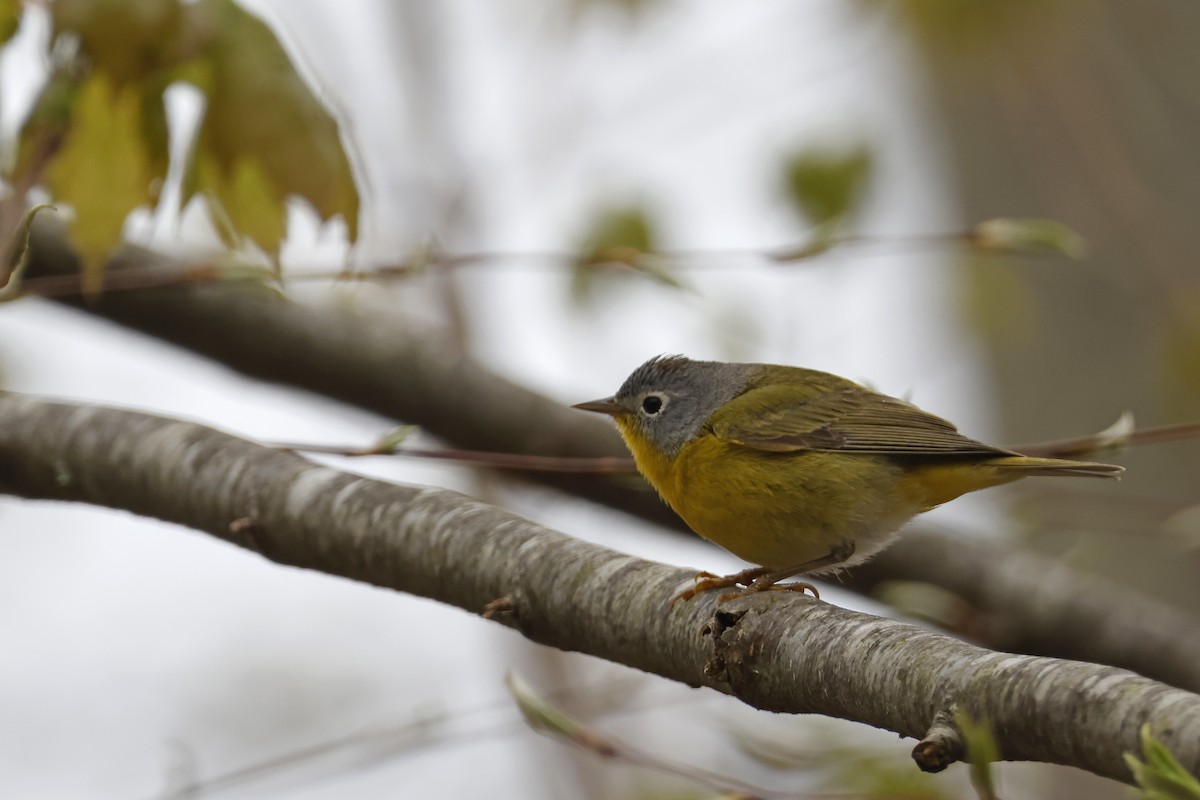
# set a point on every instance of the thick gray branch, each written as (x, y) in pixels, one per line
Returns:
(1032, 606)
(775, 651)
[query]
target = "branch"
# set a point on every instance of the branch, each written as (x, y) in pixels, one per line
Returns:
(379, 364)
(775, 650)
(1029, 603)
(368, 361)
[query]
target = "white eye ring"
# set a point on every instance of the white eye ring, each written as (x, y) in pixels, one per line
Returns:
(652, 404)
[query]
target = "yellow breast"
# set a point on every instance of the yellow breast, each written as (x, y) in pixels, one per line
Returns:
(780, 509)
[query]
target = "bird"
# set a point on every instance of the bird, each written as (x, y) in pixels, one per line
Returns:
(798, 471)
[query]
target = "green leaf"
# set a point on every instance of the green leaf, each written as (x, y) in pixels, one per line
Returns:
(10, 19)
(1000, 302)
(18, 252)
(44, 129)
(1028, 235)
(103, 170)
(125, 40)
(1181, 354)
(619, 234)
(540, 715)
(393, 439)
(248, 204)
(1161, 776)
(981, 751)
(1183, 527)
(924, 601)
(826, 185)
(265, 136)
(623, 236)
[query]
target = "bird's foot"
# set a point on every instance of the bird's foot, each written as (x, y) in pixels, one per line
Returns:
(767, 583)
(703, 581)
(756, 579)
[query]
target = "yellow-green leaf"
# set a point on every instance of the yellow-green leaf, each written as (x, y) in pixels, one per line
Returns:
(248, 202)
(623, 236)
(18, 255)
(44, 129)
(265, 136)
(924, 601)
(10, 19)
(1000, 302)
(1181, 355)
(1161, 776)
(1028, 235)
(540, 715)
(619, 234)
(393, 439)
(981, 751)
(826, 185)
(1184, 527)
(125, 40)
(103, 169)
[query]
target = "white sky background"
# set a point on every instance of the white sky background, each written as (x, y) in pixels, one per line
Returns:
(130, 648)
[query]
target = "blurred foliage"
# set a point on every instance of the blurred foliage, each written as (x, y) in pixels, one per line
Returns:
(10, 19)
(98, 137)
(924, 601)
(854, 770)
(16, 254)
(1182, 353)
(620, 236)
(45, 127)
(971, 29)
(825, 186)
(1161, 776)
(265, 135)
(1000, 303)
(981, 752)
(125, 40)
(1028, 235)
(1184, 528)
(102, 189)
(1077, 111)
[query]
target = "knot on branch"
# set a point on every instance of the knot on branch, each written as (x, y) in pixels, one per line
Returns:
(942, 745)
(731, 650)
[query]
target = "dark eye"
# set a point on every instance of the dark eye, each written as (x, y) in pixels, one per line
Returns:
(652, 404)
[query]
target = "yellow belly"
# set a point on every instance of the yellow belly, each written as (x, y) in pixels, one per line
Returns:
(784, 509)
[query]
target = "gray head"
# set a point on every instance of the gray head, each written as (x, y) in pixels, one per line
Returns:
(669, 398)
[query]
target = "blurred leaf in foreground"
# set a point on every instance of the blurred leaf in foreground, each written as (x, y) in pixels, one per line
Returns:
(624, 236)
(981, 752)
(103, 169)
(10, 19)
(1028, 235)
(265, 135)
(826, 185)
(1161, 776)
(125, 40)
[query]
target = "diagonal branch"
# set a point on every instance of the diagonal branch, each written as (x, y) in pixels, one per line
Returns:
(381, 365)
(775, 651)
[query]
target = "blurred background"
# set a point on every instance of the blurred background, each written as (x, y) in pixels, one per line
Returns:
(867, 139)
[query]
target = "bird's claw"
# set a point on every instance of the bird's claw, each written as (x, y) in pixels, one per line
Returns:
(751, 580)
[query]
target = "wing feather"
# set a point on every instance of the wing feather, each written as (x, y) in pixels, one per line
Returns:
(817, 411)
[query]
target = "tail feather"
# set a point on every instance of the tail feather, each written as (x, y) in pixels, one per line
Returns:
(1029, 465)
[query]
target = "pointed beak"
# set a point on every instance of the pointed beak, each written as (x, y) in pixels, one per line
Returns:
(607, 405)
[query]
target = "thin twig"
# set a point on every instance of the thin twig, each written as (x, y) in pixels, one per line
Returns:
(515, 461)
